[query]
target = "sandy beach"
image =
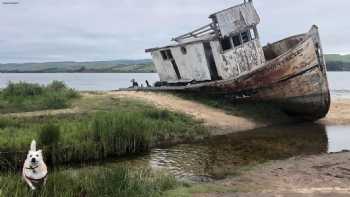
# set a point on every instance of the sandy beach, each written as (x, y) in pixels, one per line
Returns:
(339, 113)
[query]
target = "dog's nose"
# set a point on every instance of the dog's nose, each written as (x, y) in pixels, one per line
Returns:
(33, 160)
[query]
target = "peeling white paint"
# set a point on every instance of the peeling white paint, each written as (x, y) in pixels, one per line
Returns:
(238, 60)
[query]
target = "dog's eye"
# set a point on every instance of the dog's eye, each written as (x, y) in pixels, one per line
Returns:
(37, 155)
(30, 155)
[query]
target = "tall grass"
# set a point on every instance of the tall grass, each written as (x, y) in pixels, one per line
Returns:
(91, 182)
(129, 128)
(22, 96)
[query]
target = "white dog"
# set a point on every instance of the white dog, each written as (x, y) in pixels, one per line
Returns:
(34, 169)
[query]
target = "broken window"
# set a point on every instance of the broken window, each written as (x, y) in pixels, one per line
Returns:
(226, 43)
(252, 34)
(184, 50)
(166, 54)
(236, 41)
(245, 36)
(163, 55)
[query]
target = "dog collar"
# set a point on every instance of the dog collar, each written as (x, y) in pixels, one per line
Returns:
(32, 168)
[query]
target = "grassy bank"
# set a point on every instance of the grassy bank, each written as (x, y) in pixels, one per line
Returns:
(91, 182)
(23, 97)
(116, 128)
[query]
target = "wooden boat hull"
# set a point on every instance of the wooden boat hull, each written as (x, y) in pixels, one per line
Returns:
(295, 79)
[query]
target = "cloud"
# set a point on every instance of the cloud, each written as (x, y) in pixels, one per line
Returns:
(51, 30)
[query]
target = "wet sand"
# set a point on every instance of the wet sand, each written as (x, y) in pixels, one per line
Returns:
(325, 175)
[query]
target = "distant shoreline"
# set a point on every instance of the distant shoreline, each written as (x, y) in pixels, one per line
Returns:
(103, 72)
(334, 63)
(92, 72)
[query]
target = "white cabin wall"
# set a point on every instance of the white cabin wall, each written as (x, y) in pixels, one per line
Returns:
(237, 19)
(164, 68)
(193, 65)
(238, 60)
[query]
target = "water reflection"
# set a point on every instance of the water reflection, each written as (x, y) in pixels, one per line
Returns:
(224, 155)
(218, 157)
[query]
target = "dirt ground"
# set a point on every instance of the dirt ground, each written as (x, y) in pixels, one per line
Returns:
(212, 117)
(325, 175)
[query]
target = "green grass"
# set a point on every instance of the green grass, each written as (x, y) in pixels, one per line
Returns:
(128, 127)
(94, 181)
(23, 97)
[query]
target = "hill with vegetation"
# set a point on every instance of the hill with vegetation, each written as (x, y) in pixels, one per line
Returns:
(335, 62)
(115, 66)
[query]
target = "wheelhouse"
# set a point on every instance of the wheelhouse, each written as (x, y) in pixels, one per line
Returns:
(226, 48)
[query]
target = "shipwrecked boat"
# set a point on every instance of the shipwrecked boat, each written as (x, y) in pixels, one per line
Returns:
(226, 58)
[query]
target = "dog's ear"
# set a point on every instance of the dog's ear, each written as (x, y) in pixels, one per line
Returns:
(33, 146)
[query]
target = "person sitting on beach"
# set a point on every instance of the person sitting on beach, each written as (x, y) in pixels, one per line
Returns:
(134, 83)
(148, 85)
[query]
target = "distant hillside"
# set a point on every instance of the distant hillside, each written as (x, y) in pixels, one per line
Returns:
(336, 62)
(116, 66)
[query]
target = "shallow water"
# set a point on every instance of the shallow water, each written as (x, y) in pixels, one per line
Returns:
(339, 81)
(218, 157)
(81, 81)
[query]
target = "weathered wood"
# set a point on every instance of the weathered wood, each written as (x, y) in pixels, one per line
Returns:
(295, 77)
(236, 19)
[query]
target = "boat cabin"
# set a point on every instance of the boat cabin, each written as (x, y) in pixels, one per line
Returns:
(226, 48)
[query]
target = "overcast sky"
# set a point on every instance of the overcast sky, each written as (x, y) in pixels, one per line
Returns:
(85, 30)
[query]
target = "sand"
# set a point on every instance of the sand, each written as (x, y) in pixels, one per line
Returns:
(323, 175)
(339, 113)
(212, 117)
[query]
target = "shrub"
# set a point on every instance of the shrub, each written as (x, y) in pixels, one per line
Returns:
(22, 89)
(49, 135)
(57, 86)
(21, 97)
(55, 101)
